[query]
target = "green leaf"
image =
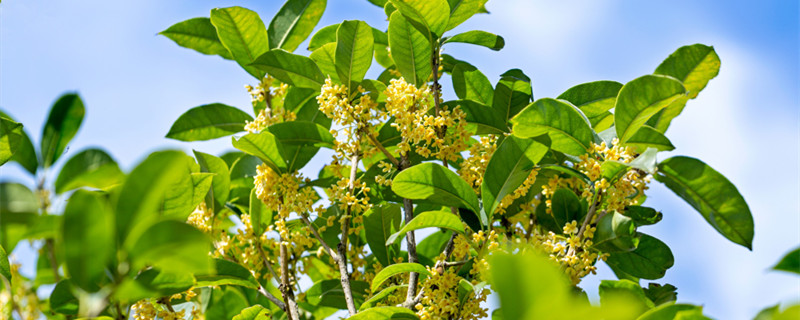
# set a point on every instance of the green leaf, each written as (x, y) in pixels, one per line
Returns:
(661, 294)
(379, 223)
(512, 93)
(602, 121)
(667, 311)
(429, 219)
(354, 48)
(436, 184)
(433, 245)
(293, 69)
(19, 209)
(593, 98)
(62, 300)
(208, 122)
(566, 207)
(385, 313)
(396, 269)
(470, 83)
(568, 130)
(242, 32)
(645, 161)
(329, 293)
(152, 283)
(221, 180)
(260, 216)
(265, 146)
(226, 303)
(255, 312)
(642, 216)
(5, 268)
(694, 65)
(186, 191)
(197, 34)
(226, 273)
(25, 154)
(640, 99)
(615, 233)
(294, 22)
(325, 58)
(479, 37)
(88, 238)
(485, 118)
(143, 191)
(711, 194)
(650, 259)
(65, 119)
(303, 102)
(10, 139)
(427, 15)
(624, 294)
(300, 141)
(461, 10)
(508, 168)
(647, 137)
(172, 245)
(411, 50)
(380, 296)
(790, 262)
(323, 36)
(90, 168)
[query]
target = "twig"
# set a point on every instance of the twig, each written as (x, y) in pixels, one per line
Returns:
(383, 149)
(319, 238)
(342, 259)
(286, 287)
(267, 264)
(455, 263)
(272, 298)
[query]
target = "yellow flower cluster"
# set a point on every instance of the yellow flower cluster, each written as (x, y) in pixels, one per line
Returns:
(21, 294)
(571, 251)
(474, 166)
(410, 108)
(621, 193)
(441, 299)
(521, 191)
(144, 310)
(272, 112)
(202, 218)
(335, 103)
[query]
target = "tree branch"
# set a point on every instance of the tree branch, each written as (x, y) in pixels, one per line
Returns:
(342, 259)
(286, 287)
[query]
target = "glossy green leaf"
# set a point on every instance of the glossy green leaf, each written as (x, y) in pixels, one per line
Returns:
(89, 168)
(568, 130)
(395, 269)
(208, 122)
(10, 139)
(197, 34)
(143, 191)
(325, 57)
(294, 22)
(5, 268)
(602, 122)
(624, 294)
(65, 119)
(242, 32)
(667, 311)
(508, 168)
(480, 38)
(711, 194)
(485, 118)
(427, 15)
(433, 245)
(470, 83)
(303, 102)
(380, 296)
(694, 65)
(300, 141)
(436, 184)
(226, 273)
(661, 294)
(380, 222)
(221, 180)
(226, 304)
(615, 232)
(566, 207)
(323, 36)
(647, 137)
(354, 48)
(385, 313)
(329, 293)
(25, 154)
(642, 216)
(461, 10)
(411, 50)
(593, 98)
(19, 208)
(293, 69)
(88, 238)
(172, 245)
(650, 259)
(265, 146)
(790, 262)
(180, 198)
(256, 312)
(512, 93)
(260, 215)
(152, 283)
(429, 219)
(640, 99)
(62, 300)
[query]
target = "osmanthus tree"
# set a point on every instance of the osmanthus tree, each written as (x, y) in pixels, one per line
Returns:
(520, 196)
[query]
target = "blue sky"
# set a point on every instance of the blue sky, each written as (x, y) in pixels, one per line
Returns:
(745, 124)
